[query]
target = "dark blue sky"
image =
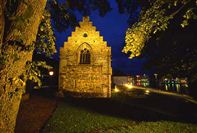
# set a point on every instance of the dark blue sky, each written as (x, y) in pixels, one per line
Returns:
(112, 27)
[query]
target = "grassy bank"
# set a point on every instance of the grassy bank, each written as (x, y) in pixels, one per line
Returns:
(104, 116)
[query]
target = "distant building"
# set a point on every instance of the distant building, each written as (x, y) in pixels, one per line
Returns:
(119, 80)
(85, 63)
(138, 80)
(179, 85)
(122, 80)
(144, 81)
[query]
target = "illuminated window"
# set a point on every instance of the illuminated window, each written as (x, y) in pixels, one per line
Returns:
(85, 56)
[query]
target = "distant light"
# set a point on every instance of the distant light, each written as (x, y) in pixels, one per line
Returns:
(51, 73)
(129, 86)
(147, 92)
(155, 74)
(116, 90)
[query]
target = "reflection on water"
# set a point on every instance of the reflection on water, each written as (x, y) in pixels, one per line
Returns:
(174, 87)
(178, 85)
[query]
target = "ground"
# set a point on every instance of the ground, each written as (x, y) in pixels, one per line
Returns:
(133, 111)
(102, 116)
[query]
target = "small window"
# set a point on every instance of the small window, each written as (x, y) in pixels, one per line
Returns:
(85, 35)
(85, 56)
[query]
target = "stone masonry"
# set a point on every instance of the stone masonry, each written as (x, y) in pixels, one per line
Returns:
(85, 63)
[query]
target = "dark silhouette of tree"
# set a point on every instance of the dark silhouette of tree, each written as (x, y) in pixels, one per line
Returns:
(63, 13)
(174, 52)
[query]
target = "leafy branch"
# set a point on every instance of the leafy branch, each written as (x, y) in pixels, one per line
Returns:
(155, 19)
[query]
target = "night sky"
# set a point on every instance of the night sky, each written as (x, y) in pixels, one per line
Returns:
(112, 27)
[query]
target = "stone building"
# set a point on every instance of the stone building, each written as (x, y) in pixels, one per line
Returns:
(85, 63)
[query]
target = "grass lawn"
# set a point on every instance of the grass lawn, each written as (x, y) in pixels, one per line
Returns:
(105, 116)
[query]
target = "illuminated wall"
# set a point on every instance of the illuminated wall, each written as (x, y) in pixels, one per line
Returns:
(85, 62)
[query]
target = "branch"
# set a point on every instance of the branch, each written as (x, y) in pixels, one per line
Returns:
(177, 11)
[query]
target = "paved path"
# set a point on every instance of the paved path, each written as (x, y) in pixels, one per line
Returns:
(174, 105)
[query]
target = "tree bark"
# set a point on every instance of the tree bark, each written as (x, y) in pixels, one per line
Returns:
(23, 28)
(2, 21)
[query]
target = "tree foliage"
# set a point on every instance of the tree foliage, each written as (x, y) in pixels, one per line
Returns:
(45, 41)
(154, 18)
(45, 45)
(62, 16)
(174, 52)
(63, 12)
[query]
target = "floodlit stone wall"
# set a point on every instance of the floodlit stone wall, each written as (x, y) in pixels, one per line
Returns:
(94, 78)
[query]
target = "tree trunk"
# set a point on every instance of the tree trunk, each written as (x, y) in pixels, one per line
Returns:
(2, 21)
(21, 33)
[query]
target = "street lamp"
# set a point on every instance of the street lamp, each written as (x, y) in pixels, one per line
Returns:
(51, 73)
(156, 79)
(156, 75)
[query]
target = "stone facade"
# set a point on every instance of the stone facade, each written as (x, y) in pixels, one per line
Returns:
(85, 63)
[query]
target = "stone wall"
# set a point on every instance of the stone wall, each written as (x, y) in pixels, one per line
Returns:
(93, 78)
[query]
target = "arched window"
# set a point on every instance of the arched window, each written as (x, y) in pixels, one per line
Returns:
(85, 56)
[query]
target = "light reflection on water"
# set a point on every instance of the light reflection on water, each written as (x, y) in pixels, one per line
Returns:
(178, 88)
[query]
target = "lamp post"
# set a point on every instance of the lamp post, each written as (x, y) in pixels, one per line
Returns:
(156, 76)
(51, 78)
(156, 79)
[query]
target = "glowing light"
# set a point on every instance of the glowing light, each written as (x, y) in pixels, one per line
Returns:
(147, 92)
(116, 90)
(137, 76)
(51, 73)
(129, 86)
(155, 75)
